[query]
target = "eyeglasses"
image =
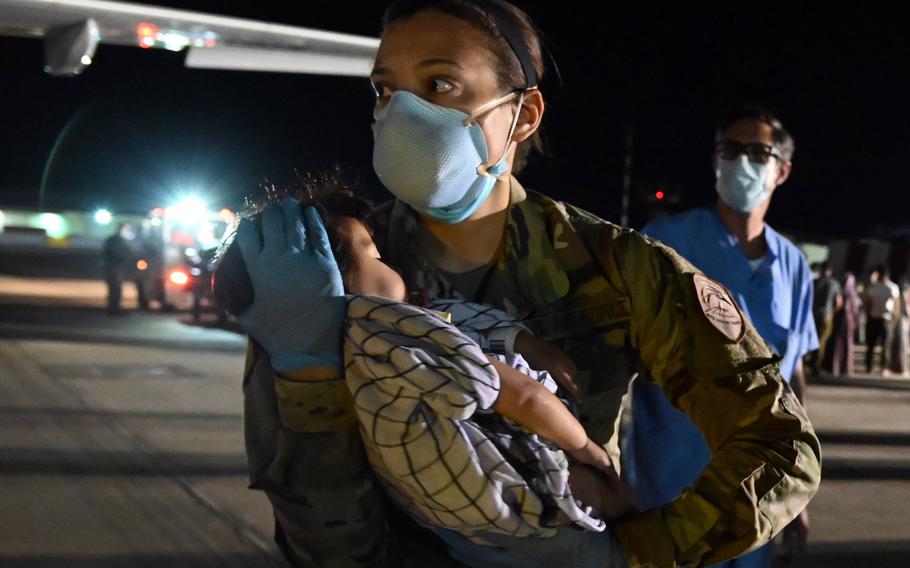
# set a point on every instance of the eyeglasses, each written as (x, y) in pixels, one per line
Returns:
(756, 151)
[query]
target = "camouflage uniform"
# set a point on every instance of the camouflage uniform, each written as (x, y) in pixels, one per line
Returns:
(616, 302)
(330, 515)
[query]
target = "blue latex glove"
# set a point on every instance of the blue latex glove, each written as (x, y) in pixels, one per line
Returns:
(298, 306)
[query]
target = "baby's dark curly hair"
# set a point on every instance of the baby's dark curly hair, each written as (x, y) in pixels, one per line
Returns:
(333, 196)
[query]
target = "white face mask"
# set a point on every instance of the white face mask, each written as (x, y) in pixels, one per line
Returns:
(743, 184)
(435, 158)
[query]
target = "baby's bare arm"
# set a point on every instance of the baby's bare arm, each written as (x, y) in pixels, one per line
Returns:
(524, 400)
(529, 403)
(592, 477)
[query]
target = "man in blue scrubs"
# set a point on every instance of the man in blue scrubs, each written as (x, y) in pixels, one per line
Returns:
(766, 274)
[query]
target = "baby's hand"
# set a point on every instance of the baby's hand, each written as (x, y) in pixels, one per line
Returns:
(543, 356)
(592, 487)
(594, 455)
(601, 489)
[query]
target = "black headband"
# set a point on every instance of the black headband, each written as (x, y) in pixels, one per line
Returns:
(505, 24)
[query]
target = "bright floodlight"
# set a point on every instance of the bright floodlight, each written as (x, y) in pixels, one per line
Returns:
(54, 225)
(103, 217)
(190, 210)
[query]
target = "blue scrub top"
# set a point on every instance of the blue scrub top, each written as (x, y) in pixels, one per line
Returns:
(664, 452)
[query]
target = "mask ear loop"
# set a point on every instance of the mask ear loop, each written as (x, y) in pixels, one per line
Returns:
(487, 107)
(482, 169)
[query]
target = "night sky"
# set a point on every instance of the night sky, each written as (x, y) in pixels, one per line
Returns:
(137, 129)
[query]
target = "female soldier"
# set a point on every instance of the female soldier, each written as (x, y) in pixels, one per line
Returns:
(458, 109)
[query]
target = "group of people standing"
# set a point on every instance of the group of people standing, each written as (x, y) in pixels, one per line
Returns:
(876, 314)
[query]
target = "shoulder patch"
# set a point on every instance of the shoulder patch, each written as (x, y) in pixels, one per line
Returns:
(719, 307)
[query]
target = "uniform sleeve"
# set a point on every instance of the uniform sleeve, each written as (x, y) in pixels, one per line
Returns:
(311, 465)
(765, 462)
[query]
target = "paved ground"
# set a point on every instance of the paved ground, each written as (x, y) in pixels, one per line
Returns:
(122, 436)
(861, 515)
(118, 455)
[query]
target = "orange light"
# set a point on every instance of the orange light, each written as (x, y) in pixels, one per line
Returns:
(179, 278)
(226, 215)
(659, 195)
(146, 29)
(157, 212)
(141, 264)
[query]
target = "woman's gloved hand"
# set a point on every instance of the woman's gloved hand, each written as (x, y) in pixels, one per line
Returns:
(298, 306)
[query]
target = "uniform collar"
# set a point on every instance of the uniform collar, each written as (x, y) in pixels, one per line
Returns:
(772, 241)
(528, 273)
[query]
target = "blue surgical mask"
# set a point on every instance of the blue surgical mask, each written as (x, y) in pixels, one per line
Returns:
(435, 158)
(743, 184)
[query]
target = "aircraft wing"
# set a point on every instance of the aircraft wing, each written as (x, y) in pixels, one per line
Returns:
(211, 41)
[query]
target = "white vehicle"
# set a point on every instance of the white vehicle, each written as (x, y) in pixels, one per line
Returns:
(177, 243)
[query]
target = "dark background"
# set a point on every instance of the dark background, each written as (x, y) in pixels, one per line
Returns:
(137, 129)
